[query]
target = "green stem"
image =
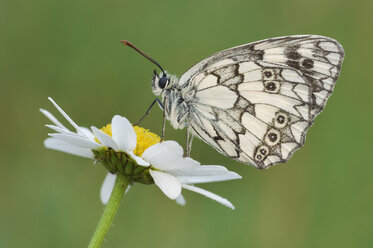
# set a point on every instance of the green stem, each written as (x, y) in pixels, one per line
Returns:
(111, 208)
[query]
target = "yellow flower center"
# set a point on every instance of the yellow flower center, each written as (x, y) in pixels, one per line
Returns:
(145, 139)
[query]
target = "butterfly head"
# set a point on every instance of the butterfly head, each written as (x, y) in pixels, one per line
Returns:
(162, 81)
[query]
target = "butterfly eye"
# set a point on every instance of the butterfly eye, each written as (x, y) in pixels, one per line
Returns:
(162, 82)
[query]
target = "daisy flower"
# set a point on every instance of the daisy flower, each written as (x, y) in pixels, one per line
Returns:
(138, 154)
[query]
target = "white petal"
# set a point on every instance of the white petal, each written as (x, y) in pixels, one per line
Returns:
(67, 117)
(209, 194)
(107, 187)
(52, 119)
(210, 169)
(170, 186)
(62, 146)
(181, 200)
(202, 170)
(76, 140)
(58, 129)
(164, 146)
(163, 155)
(209, 178)
(105, 139)
(184, 164)
(123, 133)
(138, 159)
(88, 133)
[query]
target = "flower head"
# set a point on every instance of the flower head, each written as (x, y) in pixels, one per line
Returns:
(136, 153)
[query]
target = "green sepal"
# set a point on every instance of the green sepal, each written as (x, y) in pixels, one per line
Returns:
(120, 162)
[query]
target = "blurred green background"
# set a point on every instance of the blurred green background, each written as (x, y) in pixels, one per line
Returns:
(70, 50)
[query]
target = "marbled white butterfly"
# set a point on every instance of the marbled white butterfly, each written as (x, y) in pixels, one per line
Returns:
(254, 102)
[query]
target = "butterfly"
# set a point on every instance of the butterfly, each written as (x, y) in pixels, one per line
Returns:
(253, 103)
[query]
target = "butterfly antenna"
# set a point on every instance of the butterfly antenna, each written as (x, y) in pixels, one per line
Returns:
(127, 43)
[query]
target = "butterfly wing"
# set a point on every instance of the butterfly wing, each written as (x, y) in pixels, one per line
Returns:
(255, 102)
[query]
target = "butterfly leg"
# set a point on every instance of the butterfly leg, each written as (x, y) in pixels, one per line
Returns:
(189, 140)
(148, 111)
(164, 119)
